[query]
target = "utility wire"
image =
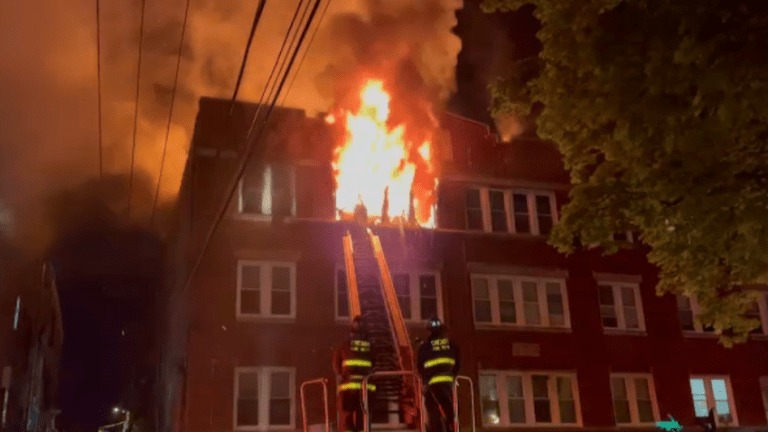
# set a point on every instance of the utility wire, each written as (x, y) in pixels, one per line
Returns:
(249, 150)
(98, 87)
(293, 39)
(256, 19)
(170, 114)
(136, 106)
(275, 69)
(304, 56)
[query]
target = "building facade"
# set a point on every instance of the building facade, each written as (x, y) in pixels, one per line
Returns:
(551, 342)
(31, 337)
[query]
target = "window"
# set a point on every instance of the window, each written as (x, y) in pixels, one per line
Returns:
(620, 306)
(687, 312)
(713, 392)
(521, 212)
(474, 210)
(759, 312)
(16, 313)
(266, 289)
(264, 398)
(626, 236)
(418, 293)
(268, 191)
(528, 398)
(498, 211)
(634, 399)
(521, 301)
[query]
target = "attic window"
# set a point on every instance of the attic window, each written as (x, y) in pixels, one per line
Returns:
(268, 191)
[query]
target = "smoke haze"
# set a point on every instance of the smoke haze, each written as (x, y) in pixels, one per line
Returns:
(48, 93)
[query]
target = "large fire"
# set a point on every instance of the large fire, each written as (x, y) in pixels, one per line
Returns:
(377, 166)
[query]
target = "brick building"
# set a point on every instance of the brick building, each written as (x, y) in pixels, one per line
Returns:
(550, 341)
(31, 337)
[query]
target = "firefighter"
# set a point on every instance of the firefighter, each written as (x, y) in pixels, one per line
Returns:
(352, 362)
(708, 423)
(438, 367)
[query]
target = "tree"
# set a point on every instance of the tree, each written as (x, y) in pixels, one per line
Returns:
(660, 110)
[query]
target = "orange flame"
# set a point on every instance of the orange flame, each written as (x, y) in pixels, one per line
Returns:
(376, 163)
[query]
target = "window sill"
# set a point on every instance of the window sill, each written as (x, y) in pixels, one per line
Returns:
(500, 234)
(498, 327)
(409, 323)
(256, 217)
(264, 428)
(699, 335)
(532, 426)
(266, 319)
(624, 332)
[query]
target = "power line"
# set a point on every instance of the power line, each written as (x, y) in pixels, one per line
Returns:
(249, 151)
(136, 106)
(293, 39)
(304, 56)
(170, 114)
(256, 19)
(98, 85)
(275, 67)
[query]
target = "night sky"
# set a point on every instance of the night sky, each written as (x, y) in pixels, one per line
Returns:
(108, 277)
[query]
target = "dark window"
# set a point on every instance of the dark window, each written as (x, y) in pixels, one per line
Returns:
(428, 296)
(541, 406)
(248, 399)
(402, 284)
(280, 399)
(281, 291)
(498, 211)
(474, 210)
(685, 313)
(544, 214)
(250, 289)
(607, 306)
(522, 215)
(482, 300)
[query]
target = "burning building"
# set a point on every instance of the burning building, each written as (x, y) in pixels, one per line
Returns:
(456, 227)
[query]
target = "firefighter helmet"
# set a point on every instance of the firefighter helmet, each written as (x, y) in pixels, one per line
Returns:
(434, 323)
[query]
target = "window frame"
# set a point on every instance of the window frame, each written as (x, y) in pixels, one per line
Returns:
(533, 211)
(291, 190)
(264, 377)
(517, 289)
(265, 301)
(762, 305)
(413, 280)
(527, 385)
(621, 320)
(707, 378)
(698, 327)
(629, 383)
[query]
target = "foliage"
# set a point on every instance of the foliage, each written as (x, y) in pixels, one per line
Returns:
(660, 110)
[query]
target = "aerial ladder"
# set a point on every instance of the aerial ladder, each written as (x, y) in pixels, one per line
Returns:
(371, 294)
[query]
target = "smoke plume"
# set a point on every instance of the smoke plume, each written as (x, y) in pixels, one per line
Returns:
(49, 136)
